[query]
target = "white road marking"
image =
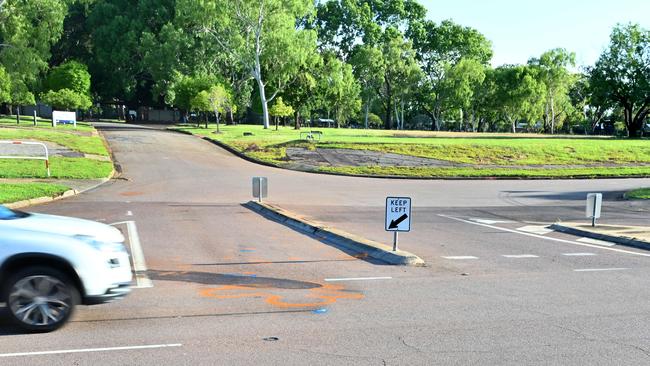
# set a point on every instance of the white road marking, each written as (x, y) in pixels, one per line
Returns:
(520, 256)
(546, 237)
(129, 213)
(578, 254)
(357, 279)
(137, 255)
(491, 222)
(595, 241)
(83, 350)
(599, 269)
(535, 229)
(461, 257)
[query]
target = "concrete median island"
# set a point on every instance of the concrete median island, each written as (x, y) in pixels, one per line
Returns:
(426, 154)
(353, 243)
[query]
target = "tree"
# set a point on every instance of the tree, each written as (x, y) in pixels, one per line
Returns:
(66, 99)
(369, 69)
(5, 86)
(461, 83)
(280, 110)
(185, 87)
(621, 75)
(71, 75)
(342, 24)
(201, 103)
(119, 45)
(518, 96)
(220, 100)
(27, 31)
(439, 48)
(261, 35)
(339, 89)
(552, 71)
(399, 67)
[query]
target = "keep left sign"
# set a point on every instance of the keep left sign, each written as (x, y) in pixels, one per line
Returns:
(398, 214)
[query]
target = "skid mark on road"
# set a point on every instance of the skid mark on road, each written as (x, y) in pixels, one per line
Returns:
(324, 295)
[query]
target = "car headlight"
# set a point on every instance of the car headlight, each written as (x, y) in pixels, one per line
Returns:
(102, 246)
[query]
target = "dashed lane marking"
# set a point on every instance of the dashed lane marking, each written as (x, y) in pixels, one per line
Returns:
(546, 237)
(520, 256)
(578, 254)
(461, 257)
(357, 279)
(129, 213)
(595, 241)
(599, 269)
(84, 350)
(491, 222)
(535, 229)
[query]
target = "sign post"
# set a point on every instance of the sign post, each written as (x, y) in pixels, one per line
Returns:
(260, 188)
(398, 217)
(594, 204)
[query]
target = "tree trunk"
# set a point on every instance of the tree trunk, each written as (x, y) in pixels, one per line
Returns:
(366, 113)
(552, 115)
(297, 120)
(216, 116)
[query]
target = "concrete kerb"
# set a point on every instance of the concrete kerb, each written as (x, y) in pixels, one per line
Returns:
(337, 237)
(622, 240)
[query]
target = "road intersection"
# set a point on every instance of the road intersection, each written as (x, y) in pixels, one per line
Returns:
(232, 287)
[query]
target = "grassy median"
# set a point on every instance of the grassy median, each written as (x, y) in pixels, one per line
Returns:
(13, 192)
(524, 155)
(84, 140)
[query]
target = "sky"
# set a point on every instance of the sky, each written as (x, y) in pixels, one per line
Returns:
(523, 29)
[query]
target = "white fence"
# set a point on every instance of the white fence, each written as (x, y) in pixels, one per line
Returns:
(46, 157)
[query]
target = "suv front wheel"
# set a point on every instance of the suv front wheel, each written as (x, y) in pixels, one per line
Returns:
(40, 299)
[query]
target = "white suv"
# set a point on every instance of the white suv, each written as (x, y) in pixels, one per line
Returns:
(49, 264)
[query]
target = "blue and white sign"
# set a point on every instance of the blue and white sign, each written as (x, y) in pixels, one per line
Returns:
(64, 118)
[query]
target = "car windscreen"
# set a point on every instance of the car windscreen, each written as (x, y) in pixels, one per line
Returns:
(7, 214)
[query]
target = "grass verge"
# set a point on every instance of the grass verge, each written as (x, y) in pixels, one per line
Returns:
(419, 172)
(639, 194)
(529, 151)
(62, 168)
(13, 192)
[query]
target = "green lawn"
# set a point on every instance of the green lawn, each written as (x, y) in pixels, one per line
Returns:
(482, 149)
(75, 139)
(13, 192)
(28, 121)
(63, 168)
(639, 194)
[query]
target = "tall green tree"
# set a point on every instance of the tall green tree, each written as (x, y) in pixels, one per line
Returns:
(552, 71)
(462, 83)
(261, 35)
(621, 75)
(342, 24)
(5, 86)
(28, 29)
(119, 45)
(339, 89)
(519, 96)
(440, 47)
(369, 69)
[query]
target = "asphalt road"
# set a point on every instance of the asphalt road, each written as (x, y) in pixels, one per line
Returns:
(231, 287)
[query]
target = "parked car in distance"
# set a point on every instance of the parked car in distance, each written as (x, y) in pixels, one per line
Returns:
(49, 264)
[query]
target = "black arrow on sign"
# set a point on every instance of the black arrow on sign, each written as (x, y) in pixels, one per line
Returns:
(395, 223)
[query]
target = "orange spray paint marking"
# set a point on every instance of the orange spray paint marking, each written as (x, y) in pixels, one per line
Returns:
(326, 295)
